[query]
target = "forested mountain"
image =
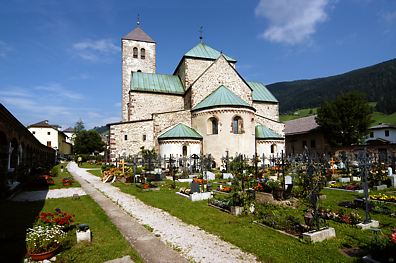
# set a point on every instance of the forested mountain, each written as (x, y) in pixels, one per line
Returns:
(378, 82)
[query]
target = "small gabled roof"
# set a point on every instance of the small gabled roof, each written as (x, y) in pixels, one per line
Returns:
(222, 96)
(301, 125)
(204, 51)
(44, 124)
(138, 35)
(180, 131)
(261, 93)
(158, 83)
(264, 133)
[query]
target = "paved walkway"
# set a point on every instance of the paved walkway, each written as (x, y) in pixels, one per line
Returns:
(150, 248)
(47, 194)
(192, 242)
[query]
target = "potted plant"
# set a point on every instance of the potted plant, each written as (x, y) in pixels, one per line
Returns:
(277, 191)
(43, 242)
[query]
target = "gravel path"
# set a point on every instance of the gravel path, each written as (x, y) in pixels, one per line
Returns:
(193, 242)
(47, 194)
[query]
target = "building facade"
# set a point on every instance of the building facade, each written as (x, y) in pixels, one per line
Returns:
(51, 136)
(204, 107)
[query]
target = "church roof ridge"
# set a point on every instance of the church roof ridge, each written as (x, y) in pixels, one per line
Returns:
(138, 35)
(180, 131)
(222, 96)
(202, 50)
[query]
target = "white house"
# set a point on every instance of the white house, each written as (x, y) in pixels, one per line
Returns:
(382, 132)
(51, 136)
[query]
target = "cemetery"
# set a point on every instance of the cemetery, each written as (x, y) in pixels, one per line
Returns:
(306, 197)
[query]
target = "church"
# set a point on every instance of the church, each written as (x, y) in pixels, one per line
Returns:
(204, 107)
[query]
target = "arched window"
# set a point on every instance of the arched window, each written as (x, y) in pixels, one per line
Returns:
(184, 150)
(273, 148)
(142, 53)
(135, 52)
(237, 125)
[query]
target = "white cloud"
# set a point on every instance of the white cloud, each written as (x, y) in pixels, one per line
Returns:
(291, 21)
(4, 49)
(95, 50)
(389, 16)
(55, 89)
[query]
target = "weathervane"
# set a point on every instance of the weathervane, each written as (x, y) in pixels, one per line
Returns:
(200, 34)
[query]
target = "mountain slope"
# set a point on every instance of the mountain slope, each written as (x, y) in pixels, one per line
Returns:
(378, 82)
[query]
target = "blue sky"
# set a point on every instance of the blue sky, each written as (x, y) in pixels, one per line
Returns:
(61, 60)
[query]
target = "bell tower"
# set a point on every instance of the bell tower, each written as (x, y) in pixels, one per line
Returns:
(138, 55)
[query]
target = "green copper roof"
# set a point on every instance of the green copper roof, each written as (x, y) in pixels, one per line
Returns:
(261, 93)
(221, 97)
(180, 131)
(263, 132)
(204, 51)
(151, 82)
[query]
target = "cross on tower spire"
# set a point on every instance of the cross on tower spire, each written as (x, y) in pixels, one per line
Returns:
(200, 34)
(138, 20)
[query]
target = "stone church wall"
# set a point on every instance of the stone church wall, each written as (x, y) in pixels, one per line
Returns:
(191, 69)
(268, 110)
(129, 64)
(143, 105)
(138, 134)
(220, 73)
(163, 121)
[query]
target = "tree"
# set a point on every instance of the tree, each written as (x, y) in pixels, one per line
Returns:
(87, 142)
(79, 126)
(345, 120)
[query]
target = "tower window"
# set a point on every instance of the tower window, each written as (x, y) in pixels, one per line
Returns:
(49, 133)
(125, 137)
(142, 53)
(144, 137)
(135, 52)
(237, 125)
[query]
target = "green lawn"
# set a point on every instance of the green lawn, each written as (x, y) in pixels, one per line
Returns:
(107, 242)
(95, 172)
(267, 244)
(90, 165)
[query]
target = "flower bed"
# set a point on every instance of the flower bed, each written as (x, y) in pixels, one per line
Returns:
(63, 219)
(223, 204)
(279, 219)
(340, 216)
(383, 197)
(350, 187)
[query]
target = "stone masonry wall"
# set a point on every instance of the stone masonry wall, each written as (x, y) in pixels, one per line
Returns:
(220, 73)
(129, 64)
(194, 67)
(143, 105)
(134, 140)
(163, 121)
(269, 110)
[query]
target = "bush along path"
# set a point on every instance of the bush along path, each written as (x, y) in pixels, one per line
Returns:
(192, 242)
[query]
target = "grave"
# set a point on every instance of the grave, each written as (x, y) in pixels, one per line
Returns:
(227, 176)
(319, 236)
(371, 224)
(380, 187)
(344, 180)
(210, 176)
(356, 179)
(393, 180)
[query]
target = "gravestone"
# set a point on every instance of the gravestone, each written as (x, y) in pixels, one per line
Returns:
(210, 176)
(393, 180)
(227, 176)
(390, 172)
(195, 187)
(288, 180)
(344, 180)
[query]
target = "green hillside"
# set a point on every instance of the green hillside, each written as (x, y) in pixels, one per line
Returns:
(378, 82)
(377, 117)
